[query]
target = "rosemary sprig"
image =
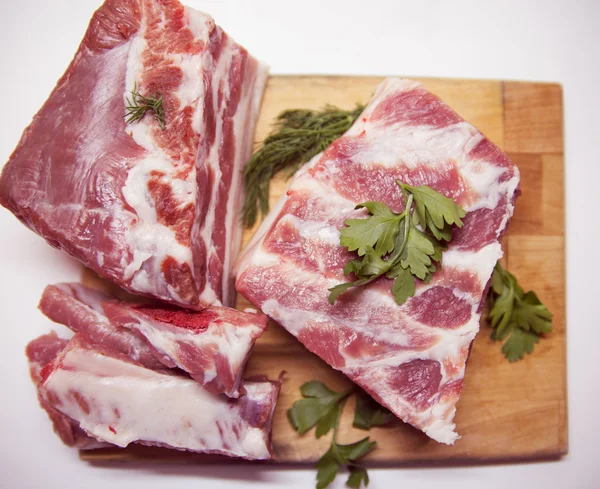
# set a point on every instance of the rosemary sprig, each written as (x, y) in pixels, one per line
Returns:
(138, 105)
(297, 136)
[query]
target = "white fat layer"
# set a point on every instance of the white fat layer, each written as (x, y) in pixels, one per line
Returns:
(147, 237)
(314, 230)
(200, 24)
(152, 407)
(442, 430)
(148, 240)
(480, 262)
(139, 131)
(262, 258)
(244, 122)
(219, 73)
(227, 340)
(210, 374)
(84, 296)
(191, 89)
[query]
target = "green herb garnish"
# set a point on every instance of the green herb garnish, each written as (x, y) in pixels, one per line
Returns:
(138, 105)
(516, 313)
(298, 135)
(317, 407)
(369, 413)
(391, 244)
(322, 407)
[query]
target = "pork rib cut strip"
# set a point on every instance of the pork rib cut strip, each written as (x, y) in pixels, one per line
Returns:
(212, 345)
(411, 358)
(80, 309)
(41, 352)
(154, 210)
(121, 403)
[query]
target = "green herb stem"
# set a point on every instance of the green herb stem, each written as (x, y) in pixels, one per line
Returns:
(138, 105)
(298, 135)
(406, 216)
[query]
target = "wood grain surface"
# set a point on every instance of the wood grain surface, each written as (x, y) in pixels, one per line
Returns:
(507, 411)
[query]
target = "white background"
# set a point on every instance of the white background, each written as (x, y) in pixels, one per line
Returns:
(521, 40)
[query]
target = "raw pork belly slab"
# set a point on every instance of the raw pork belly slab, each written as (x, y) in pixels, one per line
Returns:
(212, 345)
(40, 352)
(411, 358)
(154, 210)
(118, 402)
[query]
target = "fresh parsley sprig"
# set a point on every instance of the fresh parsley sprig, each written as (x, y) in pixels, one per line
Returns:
(297, 136)
(322, 407)
(369, 413)
(391, 244)
(517, 315)
(317, 408)
(138, 105)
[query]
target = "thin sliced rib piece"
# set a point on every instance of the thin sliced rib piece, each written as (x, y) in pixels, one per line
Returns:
(122, 403)
(212, 345)
(154, 210)
(79, 308)
(410, 358)
(40, 352)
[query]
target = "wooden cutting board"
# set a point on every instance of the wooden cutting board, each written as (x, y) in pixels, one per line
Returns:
(507, 411)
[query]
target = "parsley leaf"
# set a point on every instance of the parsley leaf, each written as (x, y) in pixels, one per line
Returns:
(327, 468)
(517, 315)
(323, 407)
(417, 253)
(378, 231)
(531, 314)
(434, 210)
(326, 424)
(392, 244)
(358, 476)
(404, 285)
(369, 413)
(354, 451)
(316, 407)
(519, 343)
(339, 289)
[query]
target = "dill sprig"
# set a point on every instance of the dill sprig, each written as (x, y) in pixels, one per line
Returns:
(297, 136)
(138, 105)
